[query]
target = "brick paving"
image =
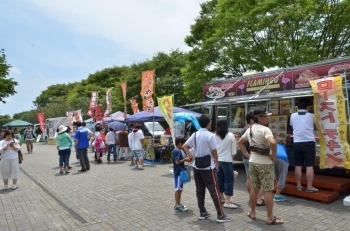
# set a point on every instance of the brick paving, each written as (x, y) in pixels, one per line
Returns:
(117, 197)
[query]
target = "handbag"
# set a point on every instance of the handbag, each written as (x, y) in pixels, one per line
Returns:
(201, 162)
(20, 157)
(184, 177)
(102, 145)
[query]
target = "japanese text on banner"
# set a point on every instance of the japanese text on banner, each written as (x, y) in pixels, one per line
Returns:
(108, 102)
(331, 122)
(134, 105)
(166, 107)
(41, 120)
(147, 90)
(93, 102)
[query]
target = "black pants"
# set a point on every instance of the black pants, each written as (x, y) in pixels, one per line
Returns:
(207, 179)
(84, 160)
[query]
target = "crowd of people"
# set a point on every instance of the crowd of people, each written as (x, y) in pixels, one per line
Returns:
(211, 153)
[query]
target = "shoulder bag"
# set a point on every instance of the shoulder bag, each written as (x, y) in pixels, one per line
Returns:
(201, 162)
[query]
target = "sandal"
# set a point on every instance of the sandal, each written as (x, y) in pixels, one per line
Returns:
(14, 186)
(66, 172)
(311, 190)
(262, 203)
(299, 188)
(250, 216)
(276, 221)
(61, 172)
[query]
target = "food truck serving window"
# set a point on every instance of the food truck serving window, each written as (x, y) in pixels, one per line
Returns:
(237, 116)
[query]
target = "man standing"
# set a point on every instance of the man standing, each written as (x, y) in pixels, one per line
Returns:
(136, 138)
(250, 121)
(82, 136)
(204, 167)
(304, 144)
(28, 137)
(261, 167)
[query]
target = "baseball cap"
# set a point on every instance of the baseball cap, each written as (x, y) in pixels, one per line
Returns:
(260, 112)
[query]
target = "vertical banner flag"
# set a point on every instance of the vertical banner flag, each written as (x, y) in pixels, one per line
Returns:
(93, 102)
(134, 105)
(331, 122)
(108, 102)
(41, 119)
(123, 85)
(166, 107)
(77, 116)
(97, 113)
(69, 115)
(147, 90)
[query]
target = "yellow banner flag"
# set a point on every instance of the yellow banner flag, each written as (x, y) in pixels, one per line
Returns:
(331, 122)
(166, 107)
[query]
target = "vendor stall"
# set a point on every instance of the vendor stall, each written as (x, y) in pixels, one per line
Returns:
(278, 92)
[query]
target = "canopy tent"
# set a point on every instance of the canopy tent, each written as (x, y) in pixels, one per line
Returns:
(144, 116)
(17, 123)
(117, 116)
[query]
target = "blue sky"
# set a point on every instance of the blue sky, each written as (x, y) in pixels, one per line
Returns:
(50, 42)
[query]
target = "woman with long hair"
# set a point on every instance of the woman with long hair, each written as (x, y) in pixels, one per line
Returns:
(9, 164)
(226, 150)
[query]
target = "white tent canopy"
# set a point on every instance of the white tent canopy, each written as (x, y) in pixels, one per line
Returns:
(117, 116)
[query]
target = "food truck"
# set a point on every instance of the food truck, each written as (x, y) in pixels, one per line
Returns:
(278, 92)
(52, 124)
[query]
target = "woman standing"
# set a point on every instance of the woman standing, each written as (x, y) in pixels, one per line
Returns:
(226, 150)
(64, 143)
(9, 163)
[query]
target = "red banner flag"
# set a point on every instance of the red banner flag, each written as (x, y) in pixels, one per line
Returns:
(108, 102)
(97, 113)
(147, 90)
(41, 119)
(93, 102)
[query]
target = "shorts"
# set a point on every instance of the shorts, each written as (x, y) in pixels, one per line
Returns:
(262, 175)
(132, 153)
(304, 153)
(246, 166)
(9, 168)
(178, 185)
(139, 154)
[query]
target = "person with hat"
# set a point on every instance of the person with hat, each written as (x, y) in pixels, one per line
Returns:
(261, 163)
(64, 143)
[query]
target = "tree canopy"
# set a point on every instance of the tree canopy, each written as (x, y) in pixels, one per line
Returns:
(7, 85)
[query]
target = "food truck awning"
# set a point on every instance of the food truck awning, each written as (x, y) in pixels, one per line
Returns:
(253, 98)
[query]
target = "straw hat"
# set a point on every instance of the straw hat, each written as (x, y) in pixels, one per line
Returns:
(61, 129)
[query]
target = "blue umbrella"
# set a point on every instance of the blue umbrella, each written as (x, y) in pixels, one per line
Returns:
(115, 125)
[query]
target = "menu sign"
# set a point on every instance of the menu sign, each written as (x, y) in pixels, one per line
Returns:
(279, 107)
(275, 81)
(278, 126)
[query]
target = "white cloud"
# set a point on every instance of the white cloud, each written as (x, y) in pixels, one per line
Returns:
(144, 26)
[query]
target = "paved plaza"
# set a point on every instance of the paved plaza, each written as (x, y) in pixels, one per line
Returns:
(118, 197)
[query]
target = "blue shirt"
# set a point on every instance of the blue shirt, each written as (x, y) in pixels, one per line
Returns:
(177, 155)
(82, 135)
(282, 152)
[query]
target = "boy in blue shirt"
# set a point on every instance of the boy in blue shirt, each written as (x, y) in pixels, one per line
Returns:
(178, 160)
(281, 170)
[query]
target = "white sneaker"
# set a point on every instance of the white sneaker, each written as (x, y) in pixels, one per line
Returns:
(230, 206)
(6, 187)
(77, 161)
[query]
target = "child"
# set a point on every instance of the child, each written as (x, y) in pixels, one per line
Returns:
(281, 170)
(178, 160)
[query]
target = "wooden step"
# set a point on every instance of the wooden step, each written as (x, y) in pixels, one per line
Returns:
(336, 184)
(323, 196)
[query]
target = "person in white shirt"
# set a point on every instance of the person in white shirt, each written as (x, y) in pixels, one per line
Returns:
(205, 166)
(136, 138)
(304, 144)
(111, 138)
(226, 150)
(9, 163)
(261, 168)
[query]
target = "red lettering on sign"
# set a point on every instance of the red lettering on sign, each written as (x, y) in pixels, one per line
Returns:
(330, 117)
(324, 86)
(325, 105)
(331, 133)
(333, 144)
(334, 158)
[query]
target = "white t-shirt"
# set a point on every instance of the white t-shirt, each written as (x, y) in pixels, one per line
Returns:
(260, 135)
(111, 137)
(135, 140)
(303, 126)
(226, 147)
(205, 143)
(9, 153)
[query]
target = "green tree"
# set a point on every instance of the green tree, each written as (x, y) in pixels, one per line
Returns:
(235, 36)
(4, 119)
(7, 85)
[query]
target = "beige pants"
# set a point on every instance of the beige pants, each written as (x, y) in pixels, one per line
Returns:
(29, 144)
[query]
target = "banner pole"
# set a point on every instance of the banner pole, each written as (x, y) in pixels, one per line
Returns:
(154, 101)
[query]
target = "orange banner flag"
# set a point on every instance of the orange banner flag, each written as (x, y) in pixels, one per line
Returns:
(147, 90)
